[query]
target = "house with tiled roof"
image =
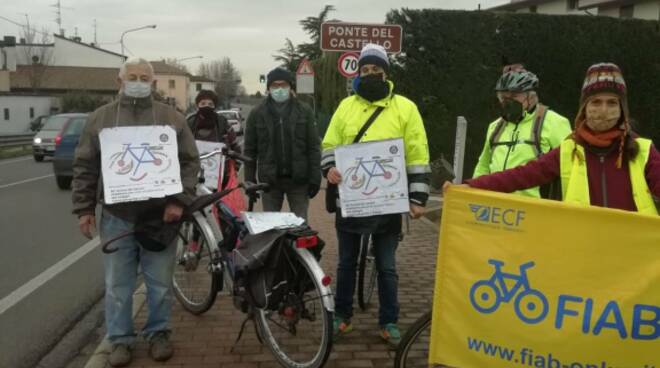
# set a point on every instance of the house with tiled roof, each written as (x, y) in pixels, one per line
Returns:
(172, 84)
(198, 83)
(35, 77)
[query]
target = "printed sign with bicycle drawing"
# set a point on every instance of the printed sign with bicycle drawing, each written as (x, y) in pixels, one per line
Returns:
(213, 166)
(374, 178)
(139, 163)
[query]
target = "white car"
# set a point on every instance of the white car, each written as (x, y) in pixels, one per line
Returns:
(234, 119)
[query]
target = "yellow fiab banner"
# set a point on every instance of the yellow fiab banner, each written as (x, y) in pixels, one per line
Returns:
(530, 283)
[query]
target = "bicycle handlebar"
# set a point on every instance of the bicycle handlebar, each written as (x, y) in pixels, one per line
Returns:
(206, 200)
(229, 153)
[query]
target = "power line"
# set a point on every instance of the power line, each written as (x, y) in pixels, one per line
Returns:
(24, 26)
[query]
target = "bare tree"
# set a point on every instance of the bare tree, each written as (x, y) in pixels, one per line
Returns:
(37, 53)
(227, 77)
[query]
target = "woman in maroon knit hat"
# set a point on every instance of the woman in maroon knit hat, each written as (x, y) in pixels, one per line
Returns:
(603, 163)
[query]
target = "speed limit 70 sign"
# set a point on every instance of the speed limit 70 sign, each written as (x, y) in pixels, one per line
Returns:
(348, 64)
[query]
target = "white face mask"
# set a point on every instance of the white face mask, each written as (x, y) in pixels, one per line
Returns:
(137, 89)
(280, 94)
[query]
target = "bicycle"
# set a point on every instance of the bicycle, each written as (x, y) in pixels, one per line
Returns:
(413, 350)
(487, 295)
(380, 168)
(305, 304)
(131, 158)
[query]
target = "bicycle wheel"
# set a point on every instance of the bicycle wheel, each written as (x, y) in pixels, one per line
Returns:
(367, 273)
(194, 283)
(299, 332)
(413, 351)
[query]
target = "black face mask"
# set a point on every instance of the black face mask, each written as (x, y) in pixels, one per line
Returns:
(373, 87)
(207, 112)
(512, 111)
(208, 117)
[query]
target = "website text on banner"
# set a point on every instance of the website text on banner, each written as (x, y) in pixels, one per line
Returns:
(523, 282)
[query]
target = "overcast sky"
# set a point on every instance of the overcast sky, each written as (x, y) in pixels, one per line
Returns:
(247, 31)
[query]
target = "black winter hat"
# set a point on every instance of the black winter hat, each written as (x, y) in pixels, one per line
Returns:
(206, 94)
(279, 74)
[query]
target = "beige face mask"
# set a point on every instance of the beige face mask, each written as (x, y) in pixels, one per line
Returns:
(603, 112)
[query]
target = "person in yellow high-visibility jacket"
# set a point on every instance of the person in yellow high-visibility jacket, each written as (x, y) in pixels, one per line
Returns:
(603, 163)
(399, 118)
(526, 130)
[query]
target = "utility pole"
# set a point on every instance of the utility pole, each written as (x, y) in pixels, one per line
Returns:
(95, 29)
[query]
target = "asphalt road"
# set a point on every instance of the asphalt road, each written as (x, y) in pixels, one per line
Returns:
(36, 223)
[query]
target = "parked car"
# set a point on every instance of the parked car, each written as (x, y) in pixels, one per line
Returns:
(65, 149)
(46, 139)
(234, 119)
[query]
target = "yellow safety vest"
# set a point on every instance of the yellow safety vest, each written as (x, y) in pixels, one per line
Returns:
(575, 184)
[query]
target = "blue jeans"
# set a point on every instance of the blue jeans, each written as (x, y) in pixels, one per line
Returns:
(121, 270)
(388, 281)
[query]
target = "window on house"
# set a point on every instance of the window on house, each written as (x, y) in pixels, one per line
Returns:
(571, 4)
(31, 112)
(532, 9)
(199, 87)
(6, 114)
(172, 84)
(626, 11)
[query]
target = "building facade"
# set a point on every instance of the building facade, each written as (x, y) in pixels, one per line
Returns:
(172, 84)
(198, 83)
(644, 9)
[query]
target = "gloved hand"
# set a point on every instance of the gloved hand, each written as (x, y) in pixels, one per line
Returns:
(312, 190)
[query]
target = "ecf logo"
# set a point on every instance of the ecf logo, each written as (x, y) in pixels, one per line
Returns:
(494, 215)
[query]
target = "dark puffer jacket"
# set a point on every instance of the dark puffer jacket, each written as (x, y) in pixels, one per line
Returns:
(283, 146)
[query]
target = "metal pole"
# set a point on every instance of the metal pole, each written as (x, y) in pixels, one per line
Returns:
(459, 149)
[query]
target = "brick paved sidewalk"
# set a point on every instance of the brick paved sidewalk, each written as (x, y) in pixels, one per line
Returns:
(205, 341)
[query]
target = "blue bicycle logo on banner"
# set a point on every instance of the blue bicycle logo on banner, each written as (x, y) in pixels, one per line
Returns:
(530, 305)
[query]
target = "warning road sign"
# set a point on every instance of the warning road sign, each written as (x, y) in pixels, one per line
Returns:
(305, 68)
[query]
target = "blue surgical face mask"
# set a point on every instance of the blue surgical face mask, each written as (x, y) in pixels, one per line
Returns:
(280, 94)
(137, 89)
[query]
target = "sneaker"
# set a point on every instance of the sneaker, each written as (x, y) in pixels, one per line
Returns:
(340, 327)
(391, 334)
(120, 355)
(160, 347)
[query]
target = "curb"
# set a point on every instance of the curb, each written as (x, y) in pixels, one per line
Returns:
(99, 358)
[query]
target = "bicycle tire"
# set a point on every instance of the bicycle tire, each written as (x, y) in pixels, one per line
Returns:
(417, 329)
(202, 272)
(265, 332)
(367, 273)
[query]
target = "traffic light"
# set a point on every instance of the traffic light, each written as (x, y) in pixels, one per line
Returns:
(262, 78)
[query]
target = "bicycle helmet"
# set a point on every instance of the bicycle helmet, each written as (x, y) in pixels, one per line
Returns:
(517, 81)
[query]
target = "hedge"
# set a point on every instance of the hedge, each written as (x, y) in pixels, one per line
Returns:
(451, 60)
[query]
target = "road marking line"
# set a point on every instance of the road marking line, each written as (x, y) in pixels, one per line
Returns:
(26, 181)
(29, 287)
(14, 161)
